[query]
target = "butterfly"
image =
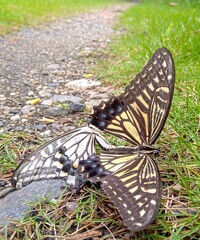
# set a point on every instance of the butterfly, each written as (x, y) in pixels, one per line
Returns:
(130, 176)
(59, 158)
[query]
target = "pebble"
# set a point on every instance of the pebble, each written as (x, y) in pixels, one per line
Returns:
(56, 125)
(76, 107)
(47, 102)
(26, 109)
(14, 111)
(31, 93)
(46, 133)
(97, 95)
(19, 128)
(67, 129)
(15, 117)
(1, 123)
(44, 93)
(83, 83)
(40, 127)
(55, 111)
(53, 84)
(71, 206)
(53, 67)
(66, 98)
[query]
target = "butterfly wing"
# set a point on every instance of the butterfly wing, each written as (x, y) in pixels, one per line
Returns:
(139, 114)
(131, 181)
(57, 159)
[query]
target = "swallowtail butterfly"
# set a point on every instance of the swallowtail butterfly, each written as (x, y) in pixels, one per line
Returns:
(130, 176)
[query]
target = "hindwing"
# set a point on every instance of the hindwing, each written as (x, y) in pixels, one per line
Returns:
(57, 159)
(131, 181)
(139, 114)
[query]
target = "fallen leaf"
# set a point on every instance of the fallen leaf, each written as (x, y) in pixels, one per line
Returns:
(46, 120)
(33, 101)
(87, 75)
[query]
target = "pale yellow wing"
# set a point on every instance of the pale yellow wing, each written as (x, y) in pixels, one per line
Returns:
(131, 181)
(139, 114)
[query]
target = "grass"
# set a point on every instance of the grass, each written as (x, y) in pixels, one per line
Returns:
(15, 14)
(146, 29)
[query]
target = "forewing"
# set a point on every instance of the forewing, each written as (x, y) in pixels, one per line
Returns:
(139, 114)
(53, 159)
(132, 182)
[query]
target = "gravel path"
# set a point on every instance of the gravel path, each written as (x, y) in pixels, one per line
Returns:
(50, 61)
(45, 73)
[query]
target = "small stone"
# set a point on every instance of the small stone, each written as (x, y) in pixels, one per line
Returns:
(47, 102)
(1, 123)
(3, 183)
(71, 206)
(83, 83)
(96, 95)
(26, 109)
(56, 111)
(44, 93)
(45, 73)
(40, 127)
(24, 120)
(77, 107)
(68, 128)
(52, 84)
(66, 98)
(19, 128)
(12, 94)
(31, 93)
(15, 117)
(56, 126)
(53, 66)
(46, 133)
(15, 111)
(2, 130)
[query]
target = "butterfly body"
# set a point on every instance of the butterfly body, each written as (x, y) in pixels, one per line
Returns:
(130, 176)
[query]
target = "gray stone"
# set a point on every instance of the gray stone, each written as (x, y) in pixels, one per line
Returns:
(68, 128)
(15, 117)
(56, 125)
(47, 102)
(44, 93)
(15, 204)
(77, 107)
(52, 85)
(31, 93)
(83, 83)
(19, 128)
(53, 66)
(40, 127)
(55, 111)
(46, 133)
(1, 123)
(71, 206)
(66, 98)
(26, 109)
(14, 111)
